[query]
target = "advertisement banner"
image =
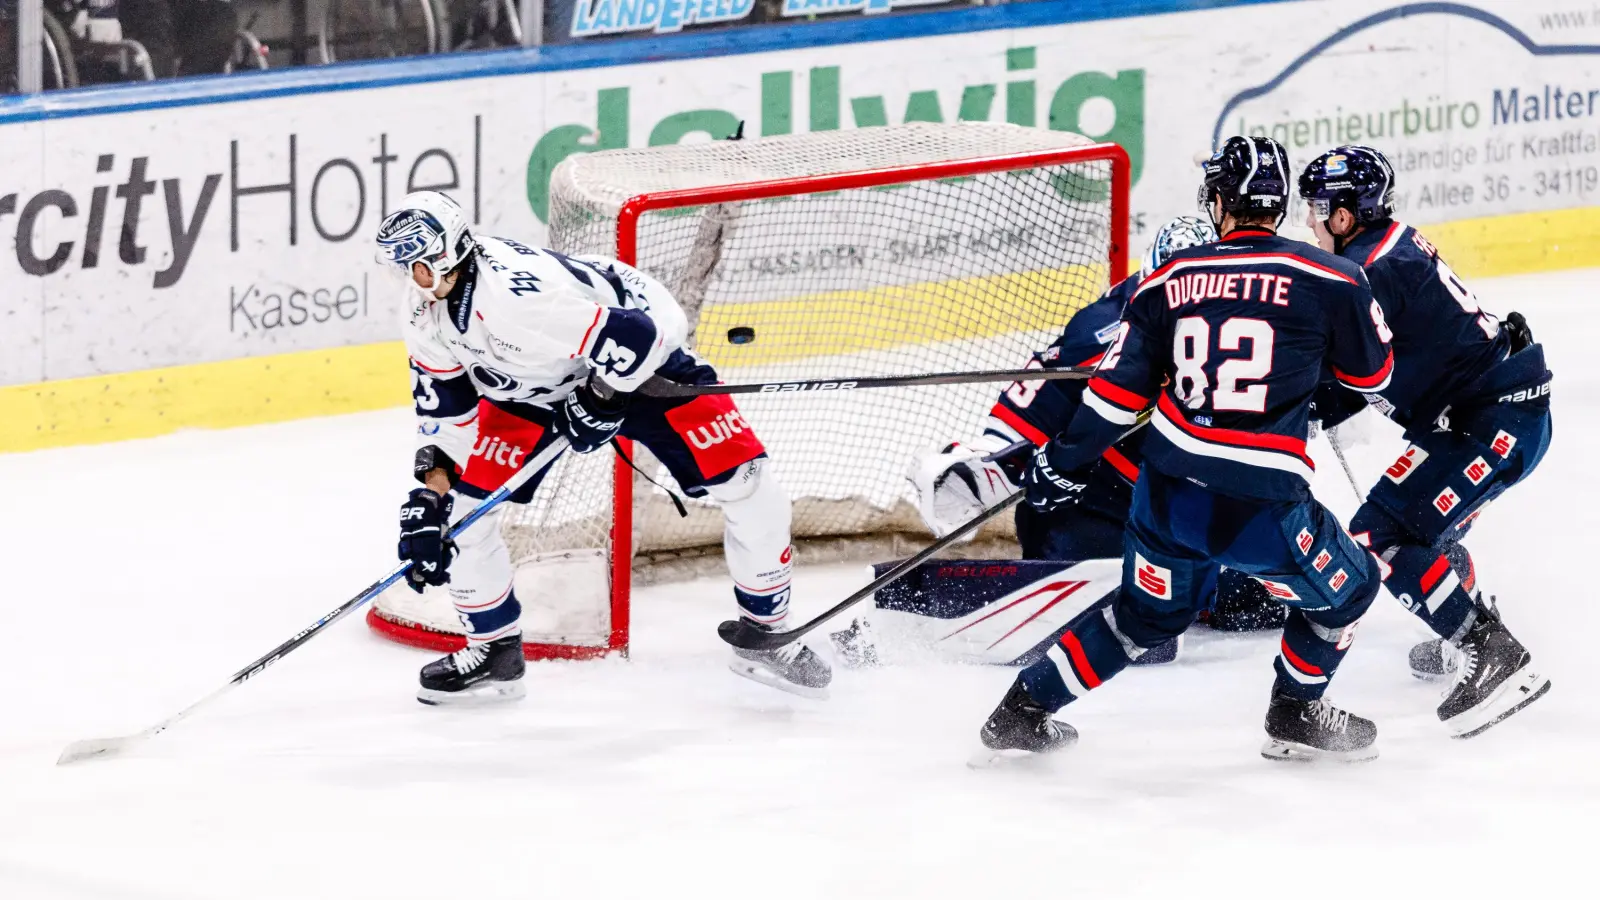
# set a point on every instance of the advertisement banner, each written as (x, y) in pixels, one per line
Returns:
(582, 20)
(199, 233)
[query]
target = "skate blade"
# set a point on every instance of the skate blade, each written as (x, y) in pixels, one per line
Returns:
(760, 674)
(1289, 751)
(1517, 692)
(985, 758)
(484, 693)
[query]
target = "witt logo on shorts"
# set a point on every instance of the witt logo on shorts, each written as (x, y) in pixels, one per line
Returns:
(1406, 464)
(1477, 472)
(1322, 560)
(496, 451)
(1151, 578)
(715, 433)
(721, 428)
(1503, 442)
(1304, 540)
(1338, 580)
(1347, 636)
(1279, 590)
(1446, 501)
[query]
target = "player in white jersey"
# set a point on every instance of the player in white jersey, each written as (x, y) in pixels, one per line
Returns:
(512, 346)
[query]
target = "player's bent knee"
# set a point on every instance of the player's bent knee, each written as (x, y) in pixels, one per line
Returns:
(752, 485)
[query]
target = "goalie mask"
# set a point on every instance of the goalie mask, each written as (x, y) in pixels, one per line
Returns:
(429, 228)
(1181, 233)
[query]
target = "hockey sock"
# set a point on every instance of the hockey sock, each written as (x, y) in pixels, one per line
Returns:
(490, 621)
(1437, 588)
(1309, 654)
(769, 608)
(1091, 651)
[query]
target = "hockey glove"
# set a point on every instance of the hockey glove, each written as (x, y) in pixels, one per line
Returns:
(587, 420)
(1048, 489)
(422, 538)
(1333, 405)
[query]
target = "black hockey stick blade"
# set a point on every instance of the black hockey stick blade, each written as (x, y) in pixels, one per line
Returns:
(746, 636)
(660, 387)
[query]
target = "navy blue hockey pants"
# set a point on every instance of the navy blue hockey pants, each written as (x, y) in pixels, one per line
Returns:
(1178, 535)
(1426, 502)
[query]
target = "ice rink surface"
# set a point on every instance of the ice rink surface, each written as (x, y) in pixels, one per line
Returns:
(139, 576)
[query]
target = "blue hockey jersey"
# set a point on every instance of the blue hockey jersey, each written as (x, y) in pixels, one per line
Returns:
(1443, 342)
(1036, 410)
(1229, 341)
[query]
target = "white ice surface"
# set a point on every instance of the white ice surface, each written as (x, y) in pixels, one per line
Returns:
(138, 576)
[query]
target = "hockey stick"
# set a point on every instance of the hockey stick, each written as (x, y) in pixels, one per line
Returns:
(740, 633)
(745, 636)
(659, 387)
(98, 747)
(1333, 441)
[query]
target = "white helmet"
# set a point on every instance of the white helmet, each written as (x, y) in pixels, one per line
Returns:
(426, 227)
(1181, 233)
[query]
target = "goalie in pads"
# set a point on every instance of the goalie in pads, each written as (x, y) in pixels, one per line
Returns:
(513, 346)
(963, 479)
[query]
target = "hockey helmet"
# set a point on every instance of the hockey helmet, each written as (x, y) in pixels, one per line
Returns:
(426, 227)
(1359, 179)
(1181, 233)
(1251, 177)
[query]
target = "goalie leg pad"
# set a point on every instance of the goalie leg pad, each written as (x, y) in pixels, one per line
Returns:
(755, 539)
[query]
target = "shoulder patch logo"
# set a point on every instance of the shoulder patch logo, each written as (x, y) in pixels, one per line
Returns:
(1304, 540)
(1338, 580)
(1322, 560)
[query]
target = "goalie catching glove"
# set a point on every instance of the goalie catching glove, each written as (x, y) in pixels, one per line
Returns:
(588, 420)
(423, 518)
(958, 483)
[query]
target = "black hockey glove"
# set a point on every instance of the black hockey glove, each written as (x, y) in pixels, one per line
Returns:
(422, 538)
(587, 420)
(1048, 489)
(1333, 405)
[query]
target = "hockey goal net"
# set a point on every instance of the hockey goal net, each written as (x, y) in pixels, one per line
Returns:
(882, 251)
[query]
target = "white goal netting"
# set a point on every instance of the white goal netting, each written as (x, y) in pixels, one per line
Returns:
(953, 274)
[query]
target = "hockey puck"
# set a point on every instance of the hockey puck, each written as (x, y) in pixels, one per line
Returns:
(742, 334)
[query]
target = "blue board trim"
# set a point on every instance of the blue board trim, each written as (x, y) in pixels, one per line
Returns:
(485, 64)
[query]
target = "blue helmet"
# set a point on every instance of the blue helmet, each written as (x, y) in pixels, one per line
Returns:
(1181, 233)
(1351, 177)
(1250, 175)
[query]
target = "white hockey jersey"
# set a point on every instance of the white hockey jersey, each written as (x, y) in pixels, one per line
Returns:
(528, 325)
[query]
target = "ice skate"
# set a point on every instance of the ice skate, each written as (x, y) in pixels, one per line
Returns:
(856, 647)
(1312, 730)
(1433, 660)
(1494, 680)
(475, 675)
(1020, 728)
(793, 667)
